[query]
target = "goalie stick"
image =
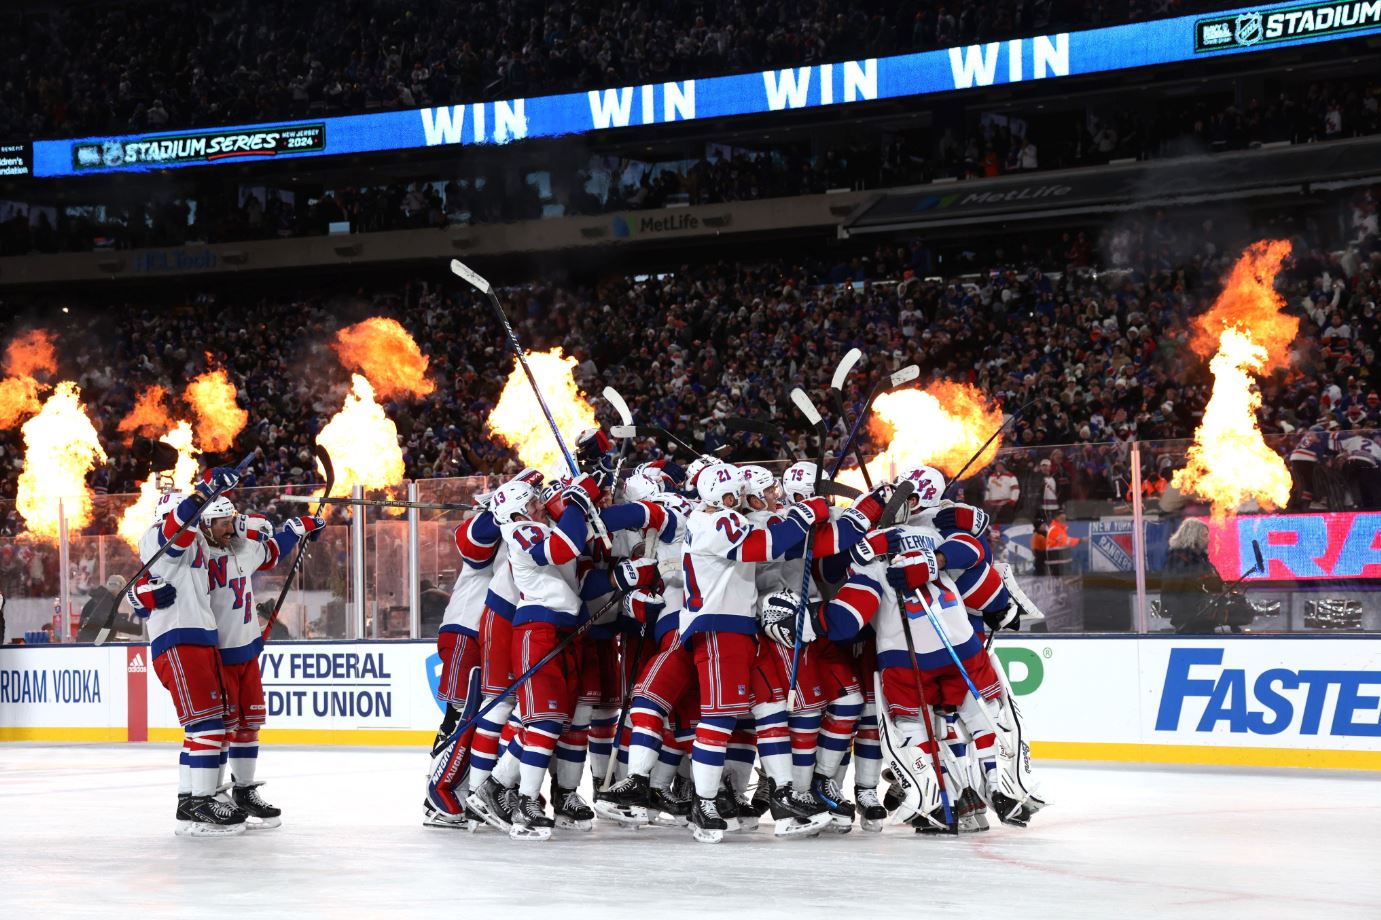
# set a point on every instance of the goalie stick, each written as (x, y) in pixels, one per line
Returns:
(469, 275)
(112, 604)
(329, 470)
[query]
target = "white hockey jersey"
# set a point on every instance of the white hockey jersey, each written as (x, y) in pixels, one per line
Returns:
(543, 561)
(188, 620)
(483, 554)
(718, 562)
(229, 574)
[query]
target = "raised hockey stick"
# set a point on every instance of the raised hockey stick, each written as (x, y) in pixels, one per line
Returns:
(1000, 428)
(469, 275)
(329, 469)
(893, 381)
(615, 399)
(651, 431)
(812, 414)
(841, 374)
(377, 503)
(107, 615)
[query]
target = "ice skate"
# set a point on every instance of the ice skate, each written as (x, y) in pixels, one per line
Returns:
(705, 823)
(488, 802)
(625, 802)
(871, 814)
(261, 815)
(666, 809)
(530, 821)
(203, 816)
(572, 811)
(796, 813)
(971, 813)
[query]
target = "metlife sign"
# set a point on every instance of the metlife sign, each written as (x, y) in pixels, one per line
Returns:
(1039, 57)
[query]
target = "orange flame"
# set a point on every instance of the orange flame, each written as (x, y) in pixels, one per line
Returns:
(149, 418)
(1249, 303)
(518, 420)
(941, 426)
(219, 420)
(18, 398)
(29, 353)
(138, 516)
(382, 350)
(1229, 462)
(60, 449)
(362, 442)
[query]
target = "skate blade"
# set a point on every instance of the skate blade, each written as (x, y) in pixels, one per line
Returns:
(194, 829)
(518, 832)
(840, 824)
(733, 827)
(747, 825)
(443, 821)
(622, 815)
(703, 836)
(488, 817)
(971, 826)
(575, 824)
(802, 827)
(664, 819)
(871, 827)
(262, 824)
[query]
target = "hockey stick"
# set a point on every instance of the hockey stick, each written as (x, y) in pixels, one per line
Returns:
(107, 616)
(329, 469)
(1000, 428)
(469, 275)
(841, 373)
(812, 414)
(377, 503)
(887, 384)
(650, 431)
(615, 399)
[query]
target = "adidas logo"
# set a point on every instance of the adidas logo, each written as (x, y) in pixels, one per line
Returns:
(136, 664)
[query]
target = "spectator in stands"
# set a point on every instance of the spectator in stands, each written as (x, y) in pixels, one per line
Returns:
(1059, 545)
(1002, 493)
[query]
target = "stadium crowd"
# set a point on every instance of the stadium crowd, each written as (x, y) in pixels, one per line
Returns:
(1104, 352)
(143, 66)
(1304, 113)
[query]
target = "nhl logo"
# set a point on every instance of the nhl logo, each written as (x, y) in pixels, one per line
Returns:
(1247, 29)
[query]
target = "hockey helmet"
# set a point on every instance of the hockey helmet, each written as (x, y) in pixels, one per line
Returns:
(798, 482)
(512, 500)
(717, 483)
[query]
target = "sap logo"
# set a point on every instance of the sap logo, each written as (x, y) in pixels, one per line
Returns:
(1276, 700)
(977, 65)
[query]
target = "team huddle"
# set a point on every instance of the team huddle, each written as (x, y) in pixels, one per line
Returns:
(718, 646)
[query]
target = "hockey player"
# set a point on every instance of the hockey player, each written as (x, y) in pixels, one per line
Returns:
(239, 545)
(182, 633)
(664, 705)
(829, 695)
(720, 623)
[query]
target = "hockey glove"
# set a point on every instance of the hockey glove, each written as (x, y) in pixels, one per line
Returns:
(1009, 618)
(150, 593)
(253, 527)
(962, 517)
(643, 606)
(779, 617)
(867, 511)
(637, 574)
(307, 526)
(870, 547)
(585, 492)
(809, 512)
(590, 446)
(220, 479)
(908, 573)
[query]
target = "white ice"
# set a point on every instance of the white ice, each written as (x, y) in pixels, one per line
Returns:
(87, 831)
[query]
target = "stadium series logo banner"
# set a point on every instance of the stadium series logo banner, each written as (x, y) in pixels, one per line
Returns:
(199, 147)
(1291, 23)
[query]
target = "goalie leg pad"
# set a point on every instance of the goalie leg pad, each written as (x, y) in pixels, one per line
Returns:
(1028, 607)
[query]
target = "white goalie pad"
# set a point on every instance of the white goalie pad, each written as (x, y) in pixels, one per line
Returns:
(1029, 610)
(1013, 776)
(911, 766)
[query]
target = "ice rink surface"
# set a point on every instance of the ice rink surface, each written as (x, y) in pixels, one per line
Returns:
(87, 831)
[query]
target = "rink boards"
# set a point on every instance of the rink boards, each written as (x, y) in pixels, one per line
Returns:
(1249, 701)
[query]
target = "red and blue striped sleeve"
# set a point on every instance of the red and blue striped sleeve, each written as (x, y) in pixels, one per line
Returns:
(566, 542)
(634, 516)
(773, 541)
(962, 551)
(851, 609)
(187, 509)
(477, 540)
